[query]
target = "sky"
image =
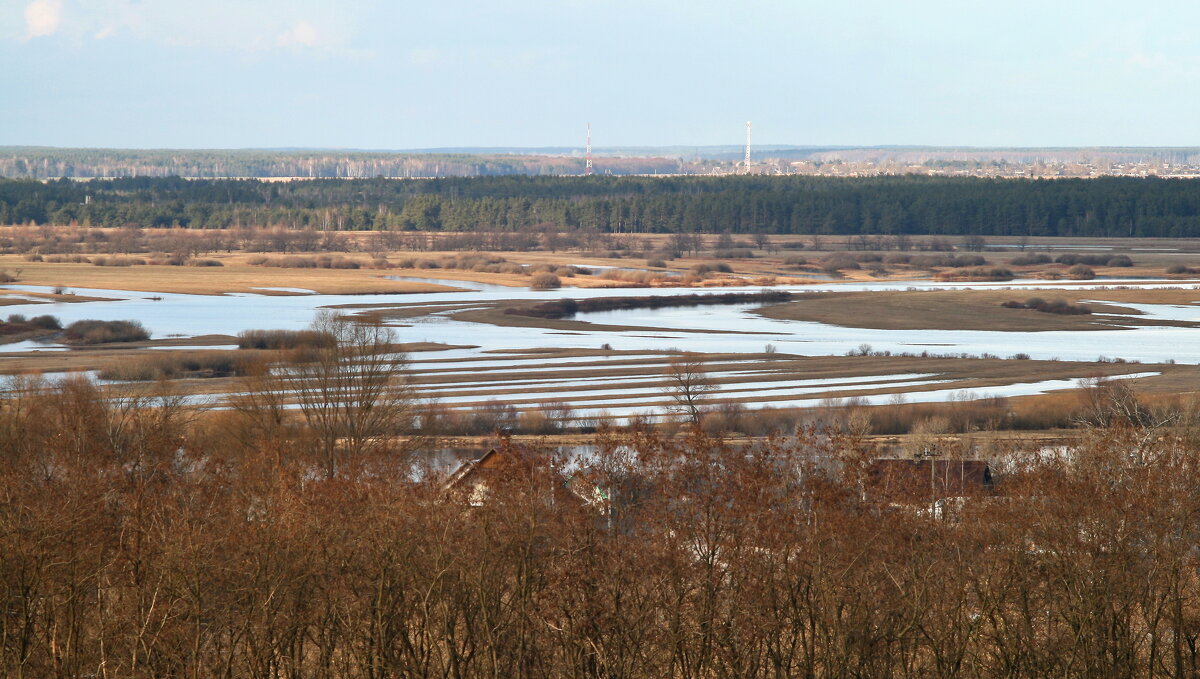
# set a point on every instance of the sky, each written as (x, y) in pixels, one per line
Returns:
(394, 74)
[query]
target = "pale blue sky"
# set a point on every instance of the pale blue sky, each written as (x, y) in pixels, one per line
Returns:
(398, 74)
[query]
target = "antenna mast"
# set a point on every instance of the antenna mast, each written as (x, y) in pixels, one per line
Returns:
(746, 161)
(587, 163)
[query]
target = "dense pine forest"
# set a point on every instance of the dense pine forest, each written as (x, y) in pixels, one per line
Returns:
(1107, 207)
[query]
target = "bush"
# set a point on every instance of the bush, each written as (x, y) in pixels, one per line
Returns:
(1181, 269)
(1081, 272)
(544, 281)
(117, 261)
(297, 262)
(46, 322)
(980, 273)
(710, 267)
(1028, 260)
(1094, 260)
(180, 260)
(173, 364)
(951, 261)
(204, 262)
(104, 332)
(283, 339)
(835, 263)
(17, 324)
(1056, 306)
(569, 307)
(656, 263)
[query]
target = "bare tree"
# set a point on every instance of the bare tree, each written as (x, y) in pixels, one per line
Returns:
(262, 407)
(689, 386)
(974, 242)
(352, 393)
(1106, 401)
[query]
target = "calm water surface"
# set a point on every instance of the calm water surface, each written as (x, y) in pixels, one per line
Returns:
(191, 315)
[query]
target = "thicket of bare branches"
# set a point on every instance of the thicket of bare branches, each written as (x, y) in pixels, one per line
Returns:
(137, 541)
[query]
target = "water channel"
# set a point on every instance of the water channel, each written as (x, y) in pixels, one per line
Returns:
(177, 315)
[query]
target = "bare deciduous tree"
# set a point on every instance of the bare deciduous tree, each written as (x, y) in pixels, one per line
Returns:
(689, 386)
(352, 392)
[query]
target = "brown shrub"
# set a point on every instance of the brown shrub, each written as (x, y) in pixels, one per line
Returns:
(545, 281)
(104, 332)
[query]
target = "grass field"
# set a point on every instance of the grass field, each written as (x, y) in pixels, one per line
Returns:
(975, 309)
(235, 276)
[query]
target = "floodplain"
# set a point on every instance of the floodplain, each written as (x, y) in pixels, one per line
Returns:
(845, 328)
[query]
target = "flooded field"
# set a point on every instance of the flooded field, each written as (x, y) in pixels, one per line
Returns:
(500, 368)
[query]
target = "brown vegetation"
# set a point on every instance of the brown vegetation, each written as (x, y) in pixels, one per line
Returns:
(1081, 272)
(104, 332)
(299, 262)
(1054, 306)
(283, 339)
(544, 281)
(968, 309)
(565, 308)
(980, 273)
(180, 364)
(138, 540)
(18, 325)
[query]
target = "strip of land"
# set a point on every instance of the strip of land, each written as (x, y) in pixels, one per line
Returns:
(977, 309)
(234, 276)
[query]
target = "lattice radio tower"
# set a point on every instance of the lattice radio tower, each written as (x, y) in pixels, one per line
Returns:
(746, 160)
(587, 162)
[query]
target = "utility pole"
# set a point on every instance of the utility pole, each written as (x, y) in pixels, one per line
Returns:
(746, 160)
(587, 163)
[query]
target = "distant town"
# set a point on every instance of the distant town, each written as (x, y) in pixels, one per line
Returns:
(52, 163)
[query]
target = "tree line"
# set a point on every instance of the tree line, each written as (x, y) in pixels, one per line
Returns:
(906, 205)
(51, 163)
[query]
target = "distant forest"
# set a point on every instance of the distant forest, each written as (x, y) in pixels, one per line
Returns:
(1114, 206)
(33, 162)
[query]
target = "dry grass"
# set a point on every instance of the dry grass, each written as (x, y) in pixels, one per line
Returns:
(238, 275)
(234, 276)
(969, 309)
